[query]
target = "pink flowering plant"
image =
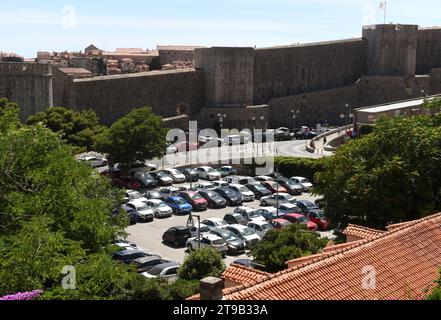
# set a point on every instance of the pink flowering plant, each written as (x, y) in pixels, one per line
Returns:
(21, 296)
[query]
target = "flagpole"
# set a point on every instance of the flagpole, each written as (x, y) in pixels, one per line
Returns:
(385, 11)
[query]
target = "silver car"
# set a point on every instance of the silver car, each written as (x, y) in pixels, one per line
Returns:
(276, 199)
(208, 240)
(247, 194)
(176, 175)
(160, 208)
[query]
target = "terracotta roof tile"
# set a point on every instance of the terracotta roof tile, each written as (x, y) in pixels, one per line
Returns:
(241, 274)
(406, 262)
(361, 232)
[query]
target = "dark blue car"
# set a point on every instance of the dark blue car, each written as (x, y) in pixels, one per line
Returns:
(179, 205)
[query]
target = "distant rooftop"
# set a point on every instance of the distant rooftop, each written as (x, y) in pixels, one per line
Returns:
(136, 75)
(182, 48)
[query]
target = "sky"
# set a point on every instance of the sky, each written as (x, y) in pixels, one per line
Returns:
(47, 25)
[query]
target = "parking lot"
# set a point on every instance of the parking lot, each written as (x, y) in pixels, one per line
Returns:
(148, 236)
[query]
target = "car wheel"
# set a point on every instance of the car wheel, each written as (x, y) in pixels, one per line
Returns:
(190, 248)
(264, 203)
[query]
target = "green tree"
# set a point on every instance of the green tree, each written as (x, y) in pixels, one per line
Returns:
(200, 264)
(155, 64)
(436, 293)
(138, 136)
(9, 115)
(389, 176)
(78, 128)
(281, 246)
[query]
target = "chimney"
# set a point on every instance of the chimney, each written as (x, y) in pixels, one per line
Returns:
(211, 289)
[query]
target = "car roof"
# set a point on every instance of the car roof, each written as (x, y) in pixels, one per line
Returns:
(205, 167)
(214, 219)
(297, 177)
(155, 201)
(238, 226)
(289, 205)
(270, 209)
(137, 202)
(282, 221)
(147, 259)
(165, 265)
(259, 222)
(129, 252)
(211, 236)
(181, 228)
(295, 215)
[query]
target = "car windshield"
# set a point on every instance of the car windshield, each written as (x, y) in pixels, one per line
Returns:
(196, 196)
(229, 192)
(221, 223)
(229, 236)
(142, 207)
(309, 204)
(243, 189)
(210, 170)
(155, 271)
(161, 205)
(253, 215)
(302, 219)
(162, 174)
(218, 242)
(180, 201)
(246, 232)
(135, 195)
(267, 227)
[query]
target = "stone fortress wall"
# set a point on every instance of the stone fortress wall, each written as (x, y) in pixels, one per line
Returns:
(389, 63)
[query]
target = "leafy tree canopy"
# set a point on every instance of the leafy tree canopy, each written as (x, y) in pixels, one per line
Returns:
(138, 136)
(280, 246)
(9, 115)
(206, 262)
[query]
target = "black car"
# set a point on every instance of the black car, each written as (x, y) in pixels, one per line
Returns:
(214, 200)
(307, 206)
(259, 190)
(306, 135)
(233, 198)
(191, 175)
(127, 256)
(162, 178)
(145, 179)
(144, 264)
(290, 186)
(236, 218)
(177, 236)
(236, 245)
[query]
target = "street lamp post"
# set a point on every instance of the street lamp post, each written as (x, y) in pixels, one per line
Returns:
(222, 117)
(190, 224)
(295, 114)
(264, 127)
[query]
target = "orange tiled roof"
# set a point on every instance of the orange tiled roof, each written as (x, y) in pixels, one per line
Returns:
(361, 232)
(241, 274)
(406, 262)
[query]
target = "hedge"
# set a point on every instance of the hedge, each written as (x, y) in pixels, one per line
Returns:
(303, 167)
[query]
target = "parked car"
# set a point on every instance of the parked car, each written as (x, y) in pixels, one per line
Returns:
(162, 178)
(169, 191)
(144, 264)
(177, 236)
(126, 183)
(94, 162)
(290, 186)
(300, 218)
(221, 184)
(140, 166)
(146, 180)
(208, 240)
(280, 223)
(124, 244)
(195, 199)
(263, 178)
(141, 210)
(270, 213)
(283, 134)
(208, 173)
(178, 205)
(243, 180)
(307, 206)
(131, 213)
(167, 270)
(190, 175)
(112, 173)
(261, 228)
(235, 139)
(319, 218)
(274, 187)
(247, 194)
(250, 214)
(132, 195)
(127, 256)
(204, 185)
(235, 244)
(233, 198)
(176, 175)
(186, 146)
(202, 229)
(214, 200)
(152, 195)
(226, 171)
(308, 135)
(258, 190)
(287, 208)
(244, 233)
(215, 223)
(277, 199)
(305, 183)
(160, 208)
(235, 218)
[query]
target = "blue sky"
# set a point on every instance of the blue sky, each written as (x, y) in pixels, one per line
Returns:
(29, 26)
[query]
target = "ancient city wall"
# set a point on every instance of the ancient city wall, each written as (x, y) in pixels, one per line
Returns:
(28, 84)
(429, 50)
(292, 70)
(169, 93)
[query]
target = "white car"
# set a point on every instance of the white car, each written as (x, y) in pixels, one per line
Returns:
(215, 222)
(208, 173)
(247, 194)
(221, 184)
(160, 208)
(168, 271)
(131, 195)
(94, 162)
(248, 235)
(176, 175)
(143, 211)
(250, 214)
(260, 227)
(205, 185)
(208, 240)
(305, 183)
(276, 199)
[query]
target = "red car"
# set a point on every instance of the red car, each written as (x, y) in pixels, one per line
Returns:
(319, 218)
(127, 183)
(112, 174)
(272, 186)
(300, 218)
(280, 223)
(195, 199)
